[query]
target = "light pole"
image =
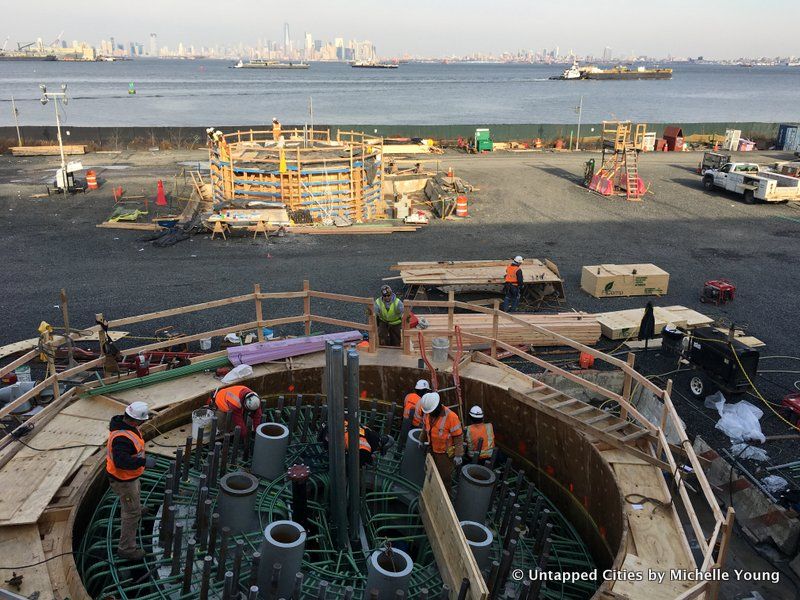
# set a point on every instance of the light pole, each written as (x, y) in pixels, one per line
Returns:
(16, 119)
(579, 110)
(56, 96)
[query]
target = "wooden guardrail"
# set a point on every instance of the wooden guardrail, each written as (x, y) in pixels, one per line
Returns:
(713, 547)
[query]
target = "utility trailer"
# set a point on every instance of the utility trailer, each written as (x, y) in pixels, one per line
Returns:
(753, 183)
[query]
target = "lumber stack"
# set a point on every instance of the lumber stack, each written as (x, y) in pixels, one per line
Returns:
(579, 327)
(47, 150)
(474, 272)
(624, 324)
(262, 352)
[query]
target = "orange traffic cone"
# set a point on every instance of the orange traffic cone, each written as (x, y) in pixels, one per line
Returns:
(161, 197)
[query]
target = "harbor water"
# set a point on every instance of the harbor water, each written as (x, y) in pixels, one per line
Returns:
(207, 92)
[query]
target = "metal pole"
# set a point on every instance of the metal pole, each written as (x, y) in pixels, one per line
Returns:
(208, 561)
(353, 426)
(61, 146)
(187, 568)
(336, 437)
(580, 114)
(15, 112)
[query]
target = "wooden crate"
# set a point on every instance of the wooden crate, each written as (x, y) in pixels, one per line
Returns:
(609, 281)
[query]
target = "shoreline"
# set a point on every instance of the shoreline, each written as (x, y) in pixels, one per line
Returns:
(111, 137)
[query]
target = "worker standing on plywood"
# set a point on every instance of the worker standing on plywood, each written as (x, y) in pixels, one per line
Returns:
(125, 463)
(513, 285)
(242, 403)
(389, 312)
(442, 432)
(479, 436)
(276, 129)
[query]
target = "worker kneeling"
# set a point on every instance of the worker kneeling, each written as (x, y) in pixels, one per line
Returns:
(479, 437)
(369, 442)
(243, 404)
(442, 432)
(125, 463)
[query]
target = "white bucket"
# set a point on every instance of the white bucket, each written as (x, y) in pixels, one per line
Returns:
(201, 419)
(205, 344)
(23, 373)
(441, 347)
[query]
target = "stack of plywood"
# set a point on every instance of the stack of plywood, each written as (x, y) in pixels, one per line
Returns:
(46, 150)
(624, 324)
(474, 274)
(580, 327)
(610, 281)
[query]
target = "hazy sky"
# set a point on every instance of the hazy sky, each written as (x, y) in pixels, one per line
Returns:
(713, 28)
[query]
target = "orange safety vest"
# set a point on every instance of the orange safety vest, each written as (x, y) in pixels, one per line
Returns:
(477, 432)
(442, 431)
(138, 443)
(363, 444)
(511, 274)
(230, 398)
(276, 131)
(412, 408)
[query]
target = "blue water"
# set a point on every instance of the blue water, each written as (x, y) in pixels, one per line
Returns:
(206, 92)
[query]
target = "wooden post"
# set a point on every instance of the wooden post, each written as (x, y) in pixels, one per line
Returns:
(451, 298)
(664, 413)
(724, 538)
(404, 328)
(259, 312)
(373, 329)
(50, 350)
(495, 326)
(307, 306)
(626, 387)
(101, 335)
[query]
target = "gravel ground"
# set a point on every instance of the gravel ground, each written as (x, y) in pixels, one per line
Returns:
(529, 204)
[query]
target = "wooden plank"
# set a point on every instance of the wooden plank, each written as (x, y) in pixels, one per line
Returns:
(99, 407)
(453, 555)
(20, 545)
(652, 590)
(608, 281)
(486, 272)
(47, 150)
(624, 324)
(64, 431)
(33, 343)
(130, 225)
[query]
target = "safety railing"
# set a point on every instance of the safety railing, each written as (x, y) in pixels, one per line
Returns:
(713, 547)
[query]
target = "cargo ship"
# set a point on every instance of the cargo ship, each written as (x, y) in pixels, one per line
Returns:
(373, 65)
(26, 56)
(621, 72)
(270, 64)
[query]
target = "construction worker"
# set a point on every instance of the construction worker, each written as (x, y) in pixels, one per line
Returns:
(368, 442)
(125, 463)
(389, 312)
(412, 411)
(276, 129)
(512, 286)
(479, 436)
(241, 402)
(442, 433)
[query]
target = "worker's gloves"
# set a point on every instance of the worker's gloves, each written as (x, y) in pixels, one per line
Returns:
(458, 460)
(149, 461)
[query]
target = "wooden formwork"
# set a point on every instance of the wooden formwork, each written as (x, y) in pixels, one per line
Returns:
(303, 170)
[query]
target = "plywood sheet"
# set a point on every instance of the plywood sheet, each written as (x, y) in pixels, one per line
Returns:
(99, 408)
(64, 431)
(652, 590)
(166, 443)
(478, 272)
(656, 531)
(25, 345)
(624, 324)
(20, 545)
(30, 482)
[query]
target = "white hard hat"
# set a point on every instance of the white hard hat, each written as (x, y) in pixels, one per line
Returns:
(138, 411)
(517, 259)
(252, 401)
(429, 402)
(476, 411)
(422, 385)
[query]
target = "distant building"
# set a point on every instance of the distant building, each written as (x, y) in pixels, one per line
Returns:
(153, 45)
(607, 55)
(287, 42)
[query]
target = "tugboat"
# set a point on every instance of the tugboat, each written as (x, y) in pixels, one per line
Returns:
(574, 72)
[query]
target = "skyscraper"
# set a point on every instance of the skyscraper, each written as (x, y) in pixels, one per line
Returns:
(153, 45)
(607, 53)
(287, 43)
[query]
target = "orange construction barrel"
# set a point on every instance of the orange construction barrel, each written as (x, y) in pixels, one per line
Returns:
(91, 180)
(461, 206)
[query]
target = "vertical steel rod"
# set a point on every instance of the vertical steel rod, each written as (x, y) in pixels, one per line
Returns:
(353, 425)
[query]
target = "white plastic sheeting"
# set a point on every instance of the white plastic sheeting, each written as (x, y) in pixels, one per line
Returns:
(739, 421)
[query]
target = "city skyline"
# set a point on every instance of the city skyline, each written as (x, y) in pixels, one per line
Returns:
(511, 26)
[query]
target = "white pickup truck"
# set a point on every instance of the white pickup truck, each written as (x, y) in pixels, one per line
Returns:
(753, 183)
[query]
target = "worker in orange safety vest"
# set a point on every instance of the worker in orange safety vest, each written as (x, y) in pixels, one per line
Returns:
(412, 411)
(241, 402)
(125, 463)
(512, 286)
(442, 433)
(479, 436)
